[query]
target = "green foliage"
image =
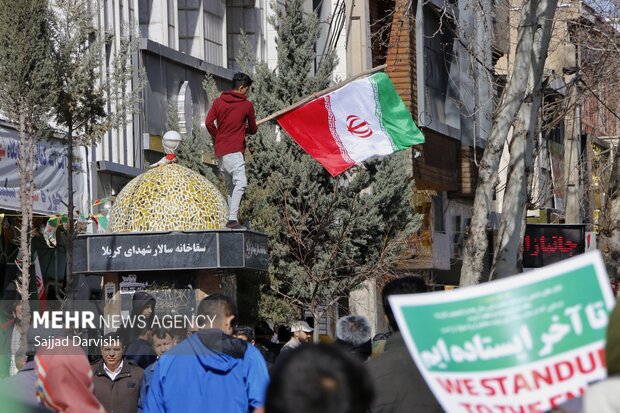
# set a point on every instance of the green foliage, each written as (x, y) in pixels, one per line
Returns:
(193, 146)
(278, 311)
(89, 103)
(210, 87)
(326, 234)
(26, 70)
(198, 143)
(93, 95)
(297, 35)
(172, 118)
(28, 91)
(80, 104)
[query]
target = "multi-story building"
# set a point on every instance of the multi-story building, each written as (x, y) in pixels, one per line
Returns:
(578, 123)
(428, 47)
(440, 56)
(180, 41)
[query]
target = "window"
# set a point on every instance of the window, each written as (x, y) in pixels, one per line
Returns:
(171, 25)
(213, 19)
(438, 218)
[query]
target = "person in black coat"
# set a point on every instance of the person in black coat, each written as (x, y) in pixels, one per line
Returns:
(353, 334)
(318, 378)
(116, 379)
(399, 385)
(140, 350)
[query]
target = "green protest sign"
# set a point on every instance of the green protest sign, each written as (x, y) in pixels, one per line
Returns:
(526, 343)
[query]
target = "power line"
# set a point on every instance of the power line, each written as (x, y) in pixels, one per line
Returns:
(599, 99)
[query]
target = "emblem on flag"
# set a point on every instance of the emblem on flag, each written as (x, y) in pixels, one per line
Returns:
(330, 126)
(358, 126)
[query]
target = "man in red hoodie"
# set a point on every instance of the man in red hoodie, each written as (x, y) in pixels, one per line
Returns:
(230, 118)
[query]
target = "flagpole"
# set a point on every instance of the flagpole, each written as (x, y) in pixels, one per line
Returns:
(319, 94)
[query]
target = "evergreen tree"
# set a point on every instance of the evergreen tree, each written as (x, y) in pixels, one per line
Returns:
(326, 234)
(198, 142)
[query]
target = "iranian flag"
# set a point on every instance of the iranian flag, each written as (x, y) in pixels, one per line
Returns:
(363, 119)
(40, 283)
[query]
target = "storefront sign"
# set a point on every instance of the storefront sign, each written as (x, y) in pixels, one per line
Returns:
(97, 253)
(545, 244)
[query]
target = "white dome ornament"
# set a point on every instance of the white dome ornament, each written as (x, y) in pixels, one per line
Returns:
(171, 142)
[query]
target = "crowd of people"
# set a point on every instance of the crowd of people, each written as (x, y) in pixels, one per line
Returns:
(224, 367)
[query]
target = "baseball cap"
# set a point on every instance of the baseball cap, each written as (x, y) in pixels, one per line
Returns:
(300, 326)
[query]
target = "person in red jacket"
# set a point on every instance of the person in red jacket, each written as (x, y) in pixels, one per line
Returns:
(230, 118)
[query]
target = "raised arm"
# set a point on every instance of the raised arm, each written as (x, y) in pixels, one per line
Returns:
(251, 128)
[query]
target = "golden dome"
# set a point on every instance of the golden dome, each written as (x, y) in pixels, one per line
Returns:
(168, 198)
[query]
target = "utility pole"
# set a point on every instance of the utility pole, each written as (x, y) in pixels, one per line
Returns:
(572, 148)
(572, 141)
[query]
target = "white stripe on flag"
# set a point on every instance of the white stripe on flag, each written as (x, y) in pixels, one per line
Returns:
(333, 128)
(356, 110)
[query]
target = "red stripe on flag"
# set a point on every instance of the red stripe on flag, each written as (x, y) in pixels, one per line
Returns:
(309, 126)
(42, 297)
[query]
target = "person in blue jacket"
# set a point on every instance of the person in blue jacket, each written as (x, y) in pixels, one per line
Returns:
(163, 340)
(210, 371)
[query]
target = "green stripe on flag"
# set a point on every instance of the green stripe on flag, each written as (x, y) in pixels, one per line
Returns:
(395, 118)
(102, 222)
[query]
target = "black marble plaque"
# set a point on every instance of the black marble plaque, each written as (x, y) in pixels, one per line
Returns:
(100, 253)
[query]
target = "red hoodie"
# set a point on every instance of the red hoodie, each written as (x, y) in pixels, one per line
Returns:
(235, 117)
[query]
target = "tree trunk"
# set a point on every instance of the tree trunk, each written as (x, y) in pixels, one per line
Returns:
(506, 259)
(71, 282)
(515, 199)
(609, 234)
(26, 190)
(314, 309)
(477, 244)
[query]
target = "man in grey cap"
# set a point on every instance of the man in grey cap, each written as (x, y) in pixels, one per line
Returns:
(299, 330)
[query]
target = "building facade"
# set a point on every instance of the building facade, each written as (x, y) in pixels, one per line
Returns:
(441, 58)
(440, 55)
(179, 42)
(578, 125)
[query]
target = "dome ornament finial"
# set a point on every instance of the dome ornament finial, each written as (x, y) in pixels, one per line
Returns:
(171, 142)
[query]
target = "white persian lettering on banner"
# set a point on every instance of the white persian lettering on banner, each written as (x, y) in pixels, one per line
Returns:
(50, 175)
